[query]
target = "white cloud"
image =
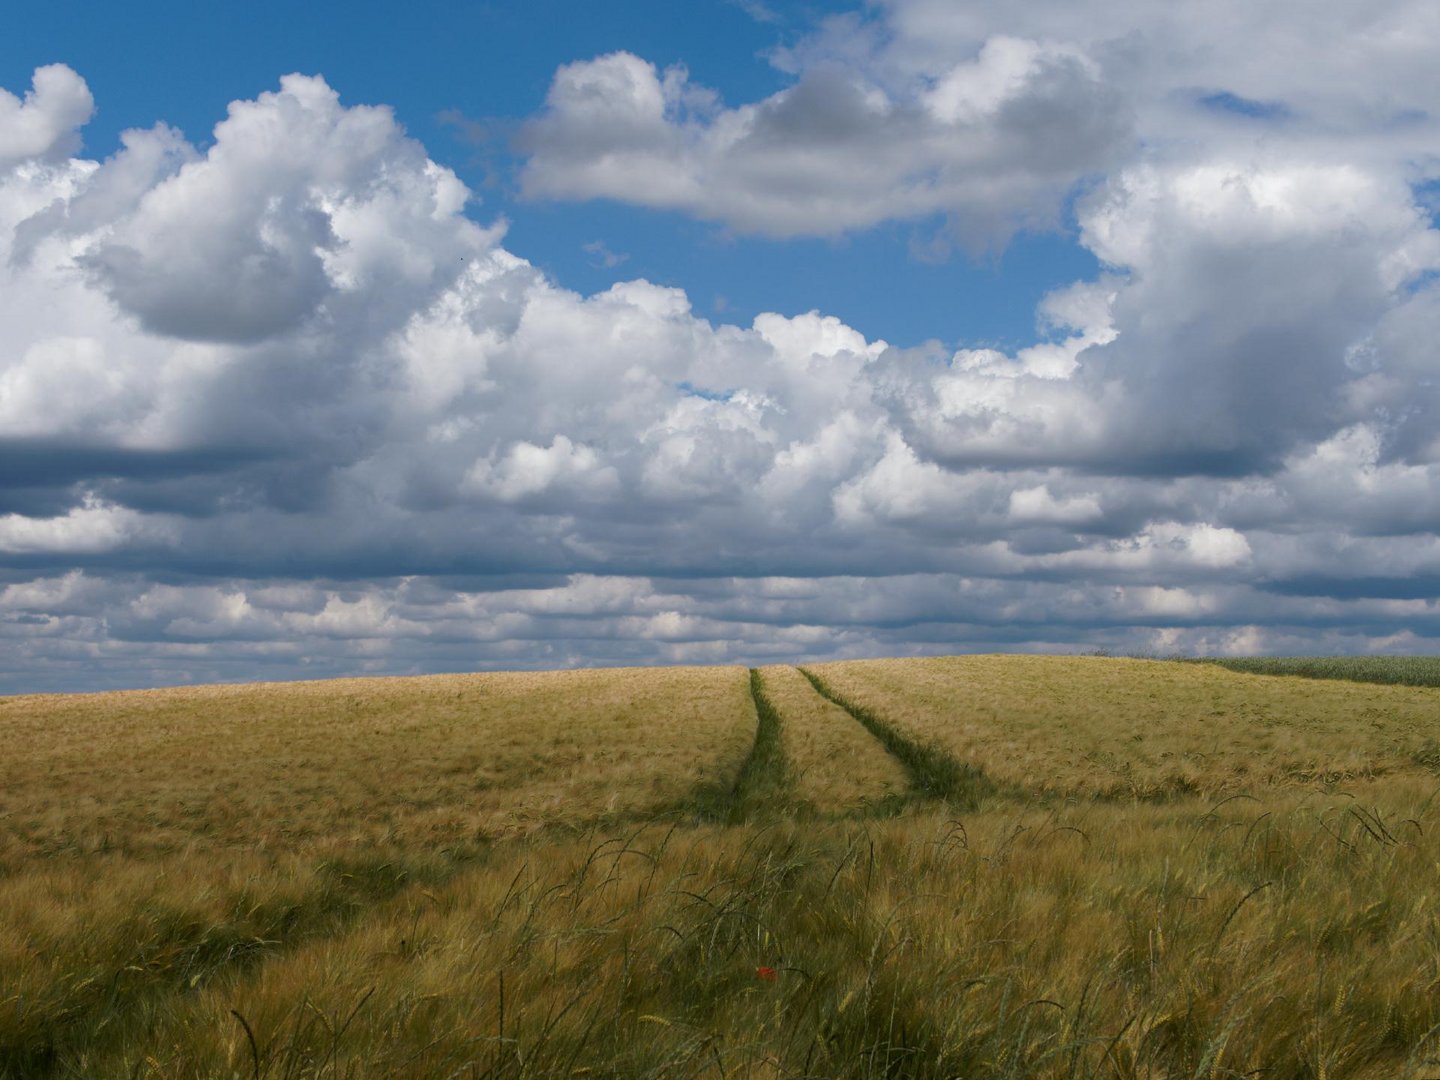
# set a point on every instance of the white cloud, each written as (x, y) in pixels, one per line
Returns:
(990, 115)
(528, 470)
(1036, 506)
(45, 125)
(1223, 340)
(802, 340)
(298, 205)
(994, 143)
(343, 412)
(93, 528)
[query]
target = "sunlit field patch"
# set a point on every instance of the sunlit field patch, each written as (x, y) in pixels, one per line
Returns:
(1144, 729)
(431, 760)
(149, 839)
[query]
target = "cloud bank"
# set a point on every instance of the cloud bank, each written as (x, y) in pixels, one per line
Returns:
(279, 407)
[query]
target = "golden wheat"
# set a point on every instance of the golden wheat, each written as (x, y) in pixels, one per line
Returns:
(835, 764)
(425, 760)
(1288, 938)
(1138, 728)
(147, 838)
(465, 876)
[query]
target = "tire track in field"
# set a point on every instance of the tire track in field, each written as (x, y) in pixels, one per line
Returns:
(351, 891)
(933, 772)
(764, 781)
(837, 769)
(762, 789)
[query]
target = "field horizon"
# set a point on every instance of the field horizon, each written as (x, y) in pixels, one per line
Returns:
(1401, 669)
(999, 865)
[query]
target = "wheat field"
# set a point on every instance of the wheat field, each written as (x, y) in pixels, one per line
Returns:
(837, 767)
(433, 760)
(1117, 728)
(963, 867)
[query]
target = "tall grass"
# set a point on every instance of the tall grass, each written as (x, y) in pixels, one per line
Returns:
(1396, 670)
(151, 840)
(104, 946)
(1292, 938)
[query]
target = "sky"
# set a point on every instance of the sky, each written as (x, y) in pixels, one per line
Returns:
(335, 341)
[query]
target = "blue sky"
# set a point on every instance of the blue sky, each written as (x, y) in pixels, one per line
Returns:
(641, 333)
(442, 64)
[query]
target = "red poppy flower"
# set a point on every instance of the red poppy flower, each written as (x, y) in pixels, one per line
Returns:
(766, 973)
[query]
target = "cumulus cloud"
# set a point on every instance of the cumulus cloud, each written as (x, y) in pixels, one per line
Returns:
(280, 406)
(298, 206)
(90, 529)
(993, 143)
(45, 125)
(1246, 295)
(991, 115)
(527, 470)
(1032, 506)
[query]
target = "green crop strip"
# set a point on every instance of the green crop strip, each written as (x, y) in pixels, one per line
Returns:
(1395, 670)
(763, 781)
